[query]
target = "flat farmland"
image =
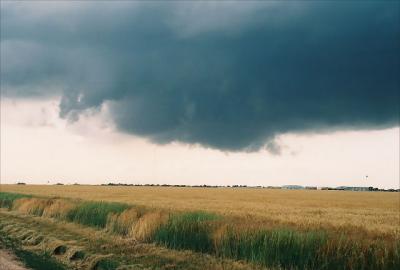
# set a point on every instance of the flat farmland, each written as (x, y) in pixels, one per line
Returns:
(126, 227)
(374, 212)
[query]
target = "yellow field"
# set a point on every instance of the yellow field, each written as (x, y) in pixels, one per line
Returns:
(375, 212)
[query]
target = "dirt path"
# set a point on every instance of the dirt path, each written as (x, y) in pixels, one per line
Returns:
(9, 262)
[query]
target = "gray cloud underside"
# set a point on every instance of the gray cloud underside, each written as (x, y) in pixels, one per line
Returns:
(231, 76)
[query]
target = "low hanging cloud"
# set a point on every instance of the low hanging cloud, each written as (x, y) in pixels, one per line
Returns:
(231, 75)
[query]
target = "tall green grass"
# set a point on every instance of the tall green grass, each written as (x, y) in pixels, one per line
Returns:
(94, 213)
(7, 199)
(188, 231)
(278, 248)
(274, 248)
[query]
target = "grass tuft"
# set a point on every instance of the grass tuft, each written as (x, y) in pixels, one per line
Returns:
(58, 208)
(273, 248)
(7, 199)
(122, 223)
(94, 214)
(191, 230)
(32, 206)
(147, 225)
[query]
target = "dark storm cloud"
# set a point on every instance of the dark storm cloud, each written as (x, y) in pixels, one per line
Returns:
(226, 75)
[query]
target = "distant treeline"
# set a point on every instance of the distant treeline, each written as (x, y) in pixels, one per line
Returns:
(194, 186)
(291, 187)
(265, 187)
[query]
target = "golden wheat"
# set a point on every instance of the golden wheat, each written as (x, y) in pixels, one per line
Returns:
(371, 211)
(58, 208)
(147, 225)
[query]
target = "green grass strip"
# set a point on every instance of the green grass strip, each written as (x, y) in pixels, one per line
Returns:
(7, 199)
(95, 213)
(188, 231)
(275, 248)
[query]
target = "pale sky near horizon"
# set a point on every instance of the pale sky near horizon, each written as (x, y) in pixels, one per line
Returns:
(38, 146)
(200, 92)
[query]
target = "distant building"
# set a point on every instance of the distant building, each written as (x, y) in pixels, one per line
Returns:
(311, 188)
(292, 187)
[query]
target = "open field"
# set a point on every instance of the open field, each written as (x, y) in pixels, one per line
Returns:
(261, 228)
(372, 211)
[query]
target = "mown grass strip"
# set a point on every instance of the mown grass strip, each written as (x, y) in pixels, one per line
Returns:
(38, 261)
(30, 259)
(94, 214)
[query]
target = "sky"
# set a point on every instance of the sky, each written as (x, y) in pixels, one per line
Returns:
(251, 93)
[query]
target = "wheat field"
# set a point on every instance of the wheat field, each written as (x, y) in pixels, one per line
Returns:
(375, 212)
(277, 229)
